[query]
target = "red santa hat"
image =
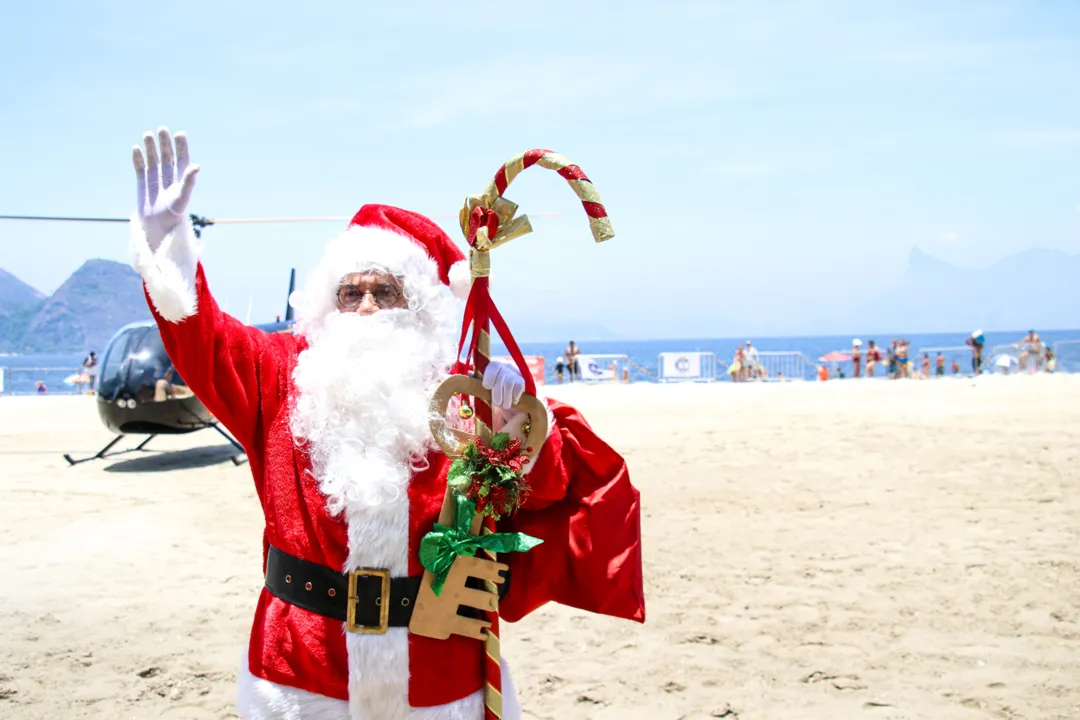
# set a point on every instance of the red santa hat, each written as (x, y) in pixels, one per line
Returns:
(453, 269)
(398, 241)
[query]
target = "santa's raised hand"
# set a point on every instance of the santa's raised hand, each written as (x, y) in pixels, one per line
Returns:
(165, 180)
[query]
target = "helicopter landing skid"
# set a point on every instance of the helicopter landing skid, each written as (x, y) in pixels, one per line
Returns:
(104, 452)
(241, 457)
(237, 459)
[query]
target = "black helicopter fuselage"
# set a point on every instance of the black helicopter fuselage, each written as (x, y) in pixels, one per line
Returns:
(139, 390)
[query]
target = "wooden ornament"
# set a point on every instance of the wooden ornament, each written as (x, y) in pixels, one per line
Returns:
(436, 616)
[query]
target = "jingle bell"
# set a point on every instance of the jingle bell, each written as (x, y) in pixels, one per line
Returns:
(465, 411)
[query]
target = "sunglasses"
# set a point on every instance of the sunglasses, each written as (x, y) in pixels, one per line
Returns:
(350, 296)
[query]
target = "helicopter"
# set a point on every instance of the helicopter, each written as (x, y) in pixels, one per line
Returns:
(138, 390)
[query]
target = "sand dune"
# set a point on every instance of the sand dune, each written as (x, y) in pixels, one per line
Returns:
(872, 550)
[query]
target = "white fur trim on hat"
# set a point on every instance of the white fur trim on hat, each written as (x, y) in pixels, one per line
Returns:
(168, 272)
(460, 279)
(359, 249)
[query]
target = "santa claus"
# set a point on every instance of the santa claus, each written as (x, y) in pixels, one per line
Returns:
(334, 417)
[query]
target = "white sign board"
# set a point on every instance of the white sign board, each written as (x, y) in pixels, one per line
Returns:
(595, 368)
(681, 365)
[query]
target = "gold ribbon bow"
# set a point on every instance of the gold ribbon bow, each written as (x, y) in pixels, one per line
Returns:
(477, 226)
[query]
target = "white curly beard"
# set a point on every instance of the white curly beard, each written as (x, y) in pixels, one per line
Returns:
(363, 390)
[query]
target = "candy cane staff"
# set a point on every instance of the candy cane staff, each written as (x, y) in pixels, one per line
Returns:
(335, 421)
(486, 484)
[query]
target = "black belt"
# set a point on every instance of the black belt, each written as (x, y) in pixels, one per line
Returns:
(367, 600)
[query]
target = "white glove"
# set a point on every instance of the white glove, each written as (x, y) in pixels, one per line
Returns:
(163, 201)
(505, 383)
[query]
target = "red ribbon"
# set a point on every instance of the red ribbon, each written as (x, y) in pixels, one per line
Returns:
(479, 310)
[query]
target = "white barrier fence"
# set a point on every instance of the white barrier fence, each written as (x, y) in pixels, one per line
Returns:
(686, 367)
(781, 366)
(1018, 358)
(1067, 356)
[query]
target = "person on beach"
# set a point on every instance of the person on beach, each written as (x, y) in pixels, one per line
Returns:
(334, 418)
(560, 368)
(939, 365)
(572, 363)
(904, 364)
(1031, 351)
(873, 357)
(751, 365)
(90, 365)
(856, 358)
(976, 341)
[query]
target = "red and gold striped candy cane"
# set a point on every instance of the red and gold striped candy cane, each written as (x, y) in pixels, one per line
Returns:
(492, 200)
(487, 220)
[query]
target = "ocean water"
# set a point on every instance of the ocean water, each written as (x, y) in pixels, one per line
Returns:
(22, 371)
(644, 354)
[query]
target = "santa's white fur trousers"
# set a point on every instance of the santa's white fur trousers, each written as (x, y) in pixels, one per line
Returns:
(259, 699)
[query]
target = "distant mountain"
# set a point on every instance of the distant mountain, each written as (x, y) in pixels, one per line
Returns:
(1036, 288)
(97, 300)
(18, 304)
(14, 293)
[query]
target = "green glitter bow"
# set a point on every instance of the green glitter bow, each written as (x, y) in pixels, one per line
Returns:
(443, 545)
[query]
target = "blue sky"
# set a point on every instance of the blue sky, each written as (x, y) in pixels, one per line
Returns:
(760, 153)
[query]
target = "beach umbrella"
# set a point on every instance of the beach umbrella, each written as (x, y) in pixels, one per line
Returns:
(834, 357)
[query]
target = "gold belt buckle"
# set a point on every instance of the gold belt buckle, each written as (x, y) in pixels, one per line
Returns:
(384, 602)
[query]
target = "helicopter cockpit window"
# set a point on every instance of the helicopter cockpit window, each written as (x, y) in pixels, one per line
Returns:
(114, 371)
(158, 380)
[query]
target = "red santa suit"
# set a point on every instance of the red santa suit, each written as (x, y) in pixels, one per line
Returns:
(302, 664)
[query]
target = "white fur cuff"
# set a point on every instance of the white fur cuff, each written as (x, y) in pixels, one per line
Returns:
(169, 273)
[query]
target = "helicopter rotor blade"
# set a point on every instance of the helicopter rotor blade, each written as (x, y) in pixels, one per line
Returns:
(65, 219)
(224, 221)
(439, 216)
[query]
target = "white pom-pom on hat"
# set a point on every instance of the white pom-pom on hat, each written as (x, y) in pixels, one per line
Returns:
(460, 279)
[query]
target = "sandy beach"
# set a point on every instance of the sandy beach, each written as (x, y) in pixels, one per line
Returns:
(857, 549)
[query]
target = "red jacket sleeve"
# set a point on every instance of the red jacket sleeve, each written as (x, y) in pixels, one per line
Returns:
(582, 505)
(238, 372)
